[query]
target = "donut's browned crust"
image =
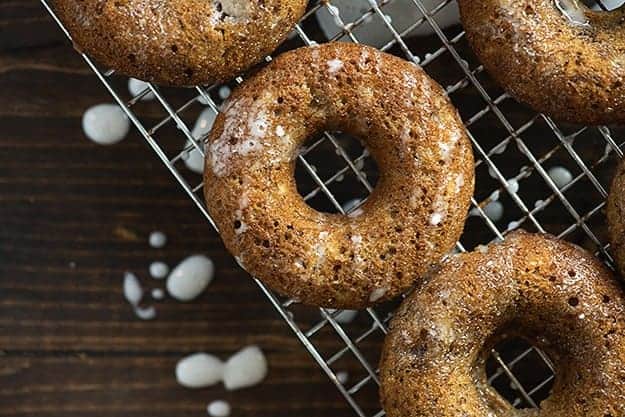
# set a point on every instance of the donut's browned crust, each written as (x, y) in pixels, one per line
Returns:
(557, 56)
(415, 213)
(550, 292)
(179, 42)
(615, 209)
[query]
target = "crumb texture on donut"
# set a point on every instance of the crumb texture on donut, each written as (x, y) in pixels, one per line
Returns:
(179, 42)
(552, 293)
(615, 211)
(558, 56)
(415, 213)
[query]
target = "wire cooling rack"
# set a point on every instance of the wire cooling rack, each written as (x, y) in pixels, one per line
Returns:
(531, 172)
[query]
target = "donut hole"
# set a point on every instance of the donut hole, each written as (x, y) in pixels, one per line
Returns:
(524, 367)
(344, 166)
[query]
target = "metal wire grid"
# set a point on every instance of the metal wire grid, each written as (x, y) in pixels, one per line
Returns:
(513, 149)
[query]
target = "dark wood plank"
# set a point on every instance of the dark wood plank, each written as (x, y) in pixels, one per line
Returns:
(73, 217)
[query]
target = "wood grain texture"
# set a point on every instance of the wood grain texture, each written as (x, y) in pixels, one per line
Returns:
(73, 217)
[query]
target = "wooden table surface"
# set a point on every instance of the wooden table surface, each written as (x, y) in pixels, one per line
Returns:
(73, 217)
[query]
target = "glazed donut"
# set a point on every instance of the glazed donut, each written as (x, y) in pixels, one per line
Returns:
(557, 56)
(615, 211)
(551, 293)
(415, 213)
(179, 42)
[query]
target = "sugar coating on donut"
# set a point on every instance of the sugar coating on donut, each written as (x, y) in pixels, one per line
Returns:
(615, 213)
(407, 123)
(334, 65)
(222, 149)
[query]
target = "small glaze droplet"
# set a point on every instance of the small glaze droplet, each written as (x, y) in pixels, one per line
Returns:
(493, 210)
(218, 408)
(145, 313)
(224, 92)
(132, 289)
(157, 239)
(158, 294)
(105, 124)
(344, 316)
(190, 278)
(342, 377)
(159, 270)
(199, 370)
(245, 368)
(136, 87)
(560, 176)
(195, 160)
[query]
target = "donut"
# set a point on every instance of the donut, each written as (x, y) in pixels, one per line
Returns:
(179, 42)
(558, 56)
(615, 213)
(551, 293)
(415, 213)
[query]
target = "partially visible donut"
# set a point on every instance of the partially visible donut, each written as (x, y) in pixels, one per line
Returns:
(615, 211)
(554, 294)
(179, 42)
(558, 56)
(415, 213)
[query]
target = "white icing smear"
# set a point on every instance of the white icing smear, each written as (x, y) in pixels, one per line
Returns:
(377, 294)
(320, 247)
(356, 239)
(356, 213)
(459, 182)
(446, 148)
(243, 134)
(230, 10)
(236, 8)
(573, 11)
(436, 218)
(258, 125)
(335, 66)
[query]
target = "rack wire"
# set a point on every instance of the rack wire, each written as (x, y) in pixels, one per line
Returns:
(516, 153)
